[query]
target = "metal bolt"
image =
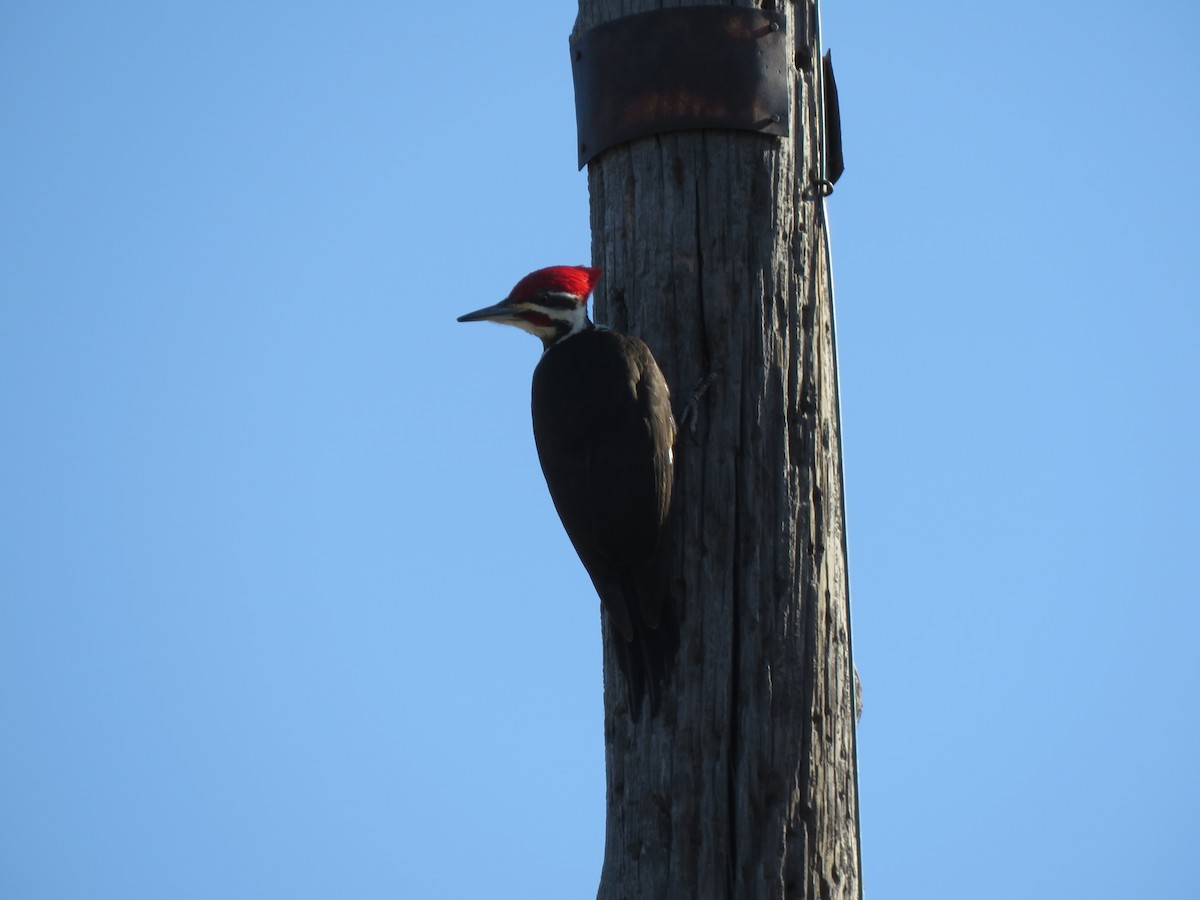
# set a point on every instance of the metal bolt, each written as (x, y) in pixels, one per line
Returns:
(776, 118)
(774, 26)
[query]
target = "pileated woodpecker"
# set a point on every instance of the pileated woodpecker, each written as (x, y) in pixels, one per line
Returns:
(604, 430)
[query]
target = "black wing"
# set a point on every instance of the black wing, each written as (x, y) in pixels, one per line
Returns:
(603, 426)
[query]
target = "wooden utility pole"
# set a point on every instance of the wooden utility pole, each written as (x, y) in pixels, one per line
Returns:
(714, 249)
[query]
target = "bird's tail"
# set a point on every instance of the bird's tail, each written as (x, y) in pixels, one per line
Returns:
(647, 658)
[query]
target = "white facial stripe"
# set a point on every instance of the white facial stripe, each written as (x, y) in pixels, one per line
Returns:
(577, 318)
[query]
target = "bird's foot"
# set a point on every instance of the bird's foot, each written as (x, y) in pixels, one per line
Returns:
(690, 414)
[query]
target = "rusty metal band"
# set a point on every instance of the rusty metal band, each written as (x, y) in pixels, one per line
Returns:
(679, 69)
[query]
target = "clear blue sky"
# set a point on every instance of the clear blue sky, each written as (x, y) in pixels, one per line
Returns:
(285, 611)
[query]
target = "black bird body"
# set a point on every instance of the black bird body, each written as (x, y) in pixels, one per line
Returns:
(603, 426)
(604, 431)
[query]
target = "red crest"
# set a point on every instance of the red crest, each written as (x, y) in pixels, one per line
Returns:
(577, 281)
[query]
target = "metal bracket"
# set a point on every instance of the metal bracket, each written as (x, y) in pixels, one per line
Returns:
(679, 69)
(832, 125)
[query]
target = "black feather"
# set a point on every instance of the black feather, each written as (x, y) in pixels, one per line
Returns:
(604, 430)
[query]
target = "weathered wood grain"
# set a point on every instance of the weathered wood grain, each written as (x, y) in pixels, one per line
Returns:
(713, 249)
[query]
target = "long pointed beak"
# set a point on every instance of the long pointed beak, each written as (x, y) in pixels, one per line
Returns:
(499, 312)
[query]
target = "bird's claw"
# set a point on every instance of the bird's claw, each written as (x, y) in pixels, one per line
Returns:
(690, 416)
